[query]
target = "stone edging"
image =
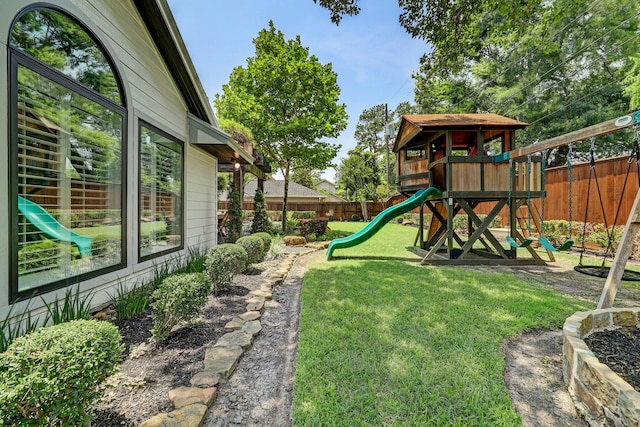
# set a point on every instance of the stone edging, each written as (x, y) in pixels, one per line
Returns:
(192, 403)
(598, 393)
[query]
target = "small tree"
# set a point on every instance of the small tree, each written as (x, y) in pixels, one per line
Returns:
(234, 226)
(260, 217)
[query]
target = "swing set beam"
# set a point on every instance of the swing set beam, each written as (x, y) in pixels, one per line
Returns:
(604, 128)
(632, 226)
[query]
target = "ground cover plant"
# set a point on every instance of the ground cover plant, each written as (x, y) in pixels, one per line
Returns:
(386, 341)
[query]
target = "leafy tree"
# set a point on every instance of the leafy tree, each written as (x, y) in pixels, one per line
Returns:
(261, 221)
(305, 176)
(357, 175)
(289, 100)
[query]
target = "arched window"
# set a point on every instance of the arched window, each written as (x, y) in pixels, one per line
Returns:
(67, 151)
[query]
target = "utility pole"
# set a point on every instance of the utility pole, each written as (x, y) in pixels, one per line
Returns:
(386, 137)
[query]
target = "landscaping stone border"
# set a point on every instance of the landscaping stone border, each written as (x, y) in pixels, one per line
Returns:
(191, 403)
(602, 396)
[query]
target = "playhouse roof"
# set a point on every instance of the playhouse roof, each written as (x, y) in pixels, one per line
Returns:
(422, 126)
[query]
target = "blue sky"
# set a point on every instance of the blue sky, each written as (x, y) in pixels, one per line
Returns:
(373, 56)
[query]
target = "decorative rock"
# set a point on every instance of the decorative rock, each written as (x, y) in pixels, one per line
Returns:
(234, 324)
(252, 328)
(205, 379)
(260, 293)
(184, 396)
(222, 360)
(187, 416)
(255, 304)
(294, 240)
(250, 315)
(235, 338)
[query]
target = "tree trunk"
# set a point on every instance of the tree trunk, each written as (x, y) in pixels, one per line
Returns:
(285, 197)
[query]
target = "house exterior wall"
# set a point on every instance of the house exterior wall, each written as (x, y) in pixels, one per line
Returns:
(152, 96)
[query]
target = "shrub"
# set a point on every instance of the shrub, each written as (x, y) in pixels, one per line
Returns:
(266, 242)
(179, 298)
(355, 217)
(254, 247)
(52, 376)
(40, 256)
(261, 221)
(223, 262)
(313, 226)
(102, 246)
(234, 225)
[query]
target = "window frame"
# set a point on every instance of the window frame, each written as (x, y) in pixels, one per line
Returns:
(141, 258)
(18, 58)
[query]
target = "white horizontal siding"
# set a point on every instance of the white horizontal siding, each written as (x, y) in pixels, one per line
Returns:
(152, 95)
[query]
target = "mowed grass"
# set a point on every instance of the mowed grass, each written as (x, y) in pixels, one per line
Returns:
(390, 342)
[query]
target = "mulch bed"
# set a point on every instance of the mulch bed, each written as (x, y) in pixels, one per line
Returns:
(140, 389)
(619, 349)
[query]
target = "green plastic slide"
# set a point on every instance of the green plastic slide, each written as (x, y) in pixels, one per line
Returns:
(47, 224)
(380, 220)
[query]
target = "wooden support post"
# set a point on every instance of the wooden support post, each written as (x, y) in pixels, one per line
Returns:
(622, 256)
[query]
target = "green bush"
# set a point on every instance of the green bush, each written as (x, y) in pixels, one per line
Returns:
(260, 221)
(254, 247)
(51, 377)
(103, 246)
(223, 262)
(302, 214)
(313, 226)
(179, 298)
(266, 242)
(355, 217)
(40, 256)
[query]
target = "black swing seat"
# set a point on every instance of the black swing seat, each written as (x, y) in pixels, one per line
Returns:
(548, 246)
(512, 242)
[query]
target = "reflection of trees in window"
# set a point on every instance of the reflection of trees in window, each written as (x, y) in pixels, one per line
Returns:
(160, 192)
(61, 43)
(68, 151)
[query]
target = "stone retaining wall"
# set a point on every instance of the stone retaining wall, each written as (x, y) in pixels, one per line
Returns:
(598, 393)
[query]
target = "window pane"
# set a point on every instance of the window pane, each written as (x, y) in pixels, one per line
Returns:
(61, 43)
(160, 192)
(69, 183)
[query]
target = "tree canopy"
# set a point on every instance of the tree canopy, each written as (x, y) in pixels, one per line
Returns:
(559, 66)
(289, 101)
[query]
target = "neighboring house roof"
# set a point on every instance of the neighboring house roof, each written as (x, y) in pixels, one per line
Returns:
(275, 189)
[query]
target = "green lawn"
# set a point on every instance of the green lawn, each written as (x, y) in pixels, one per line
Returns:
(386, 341)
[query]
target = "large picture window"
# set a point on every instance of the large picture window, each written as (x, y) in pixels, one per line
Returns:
(161, 169)
(67, 151)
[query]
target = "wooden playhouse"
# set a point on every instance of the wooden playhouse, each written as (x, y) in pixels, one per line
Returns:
(463, 156)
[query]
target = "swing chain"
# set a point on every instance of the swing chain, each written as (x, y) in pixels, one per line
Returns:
(635, 150)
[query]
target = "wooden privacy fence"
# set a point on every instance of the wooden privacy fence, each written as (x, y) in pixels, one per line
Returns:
(611, 174)
(339, 210)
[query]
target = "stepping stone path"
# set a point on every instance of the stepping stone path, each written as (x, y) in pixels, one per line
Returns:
(191, 403)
